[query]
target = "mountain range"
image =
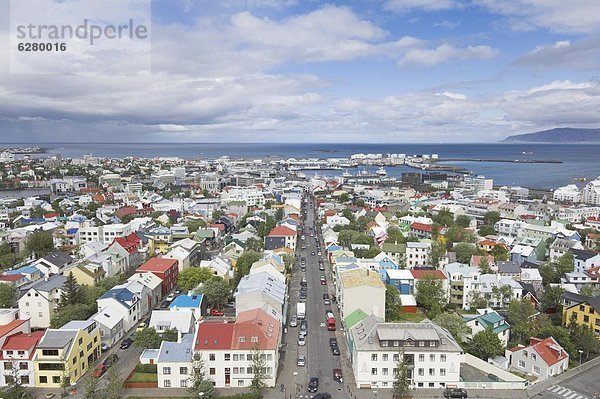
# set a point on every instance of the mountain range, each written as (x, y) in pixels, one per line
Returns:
(561, 135)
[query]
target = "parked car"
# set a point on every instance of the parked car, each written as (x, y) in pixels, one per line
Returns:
(303, 282)
(301, 340)
(104, 348)
(99, 371)
(140, 327)
(110, 360)
(301, 361)
(313, 384)
(216, 312)
(294, 321)
(326, 302)
(323, 281)
(170, 297)
(302, 294)
(333, 341)
(455, 393)
(335, 351)
(321, 267)
(322, 395)
(319, 253)
(312, 253)
(126, 343)
(49, 395)
(337, 376)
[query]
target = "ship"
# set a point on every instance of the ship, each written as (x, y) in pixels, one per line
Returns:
(381, 171)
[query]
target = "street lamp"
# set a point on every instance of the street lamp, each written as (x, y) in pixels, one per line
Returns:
(580, 354)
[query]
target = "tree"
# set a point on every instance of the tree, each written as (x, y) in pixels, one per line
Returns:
(91, 389)
(438, 250)
(245, 261)
(584, 338)
(194, 225)
(39, 243)
(198, 382)
(394, 235)
(344, 197)
(501, 294)
(431, 295)
(279, 214)
(148, 338)
(216, 214)
(499, 252)
(71, 292)
(551, 272)
(170, 335)
(393, 304)
(519, 314)
(552, 298)
(478, 301)
(463, 221)
(8, 295)
(253, 244)
(484, 265)
(191, 277)
(288, 260)
(444, 218)
(259, 371)
(485, 344)
(486, 230)
(464, 251)
(455, 324)
(65, 314)
(401, 374)
(359, 202)
(491, 218)
(114, 385)
(589, 291)
(216, 291)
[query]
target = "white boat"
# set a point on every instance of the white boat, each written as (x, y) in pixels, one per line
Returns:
(381, 171)
(346, 174)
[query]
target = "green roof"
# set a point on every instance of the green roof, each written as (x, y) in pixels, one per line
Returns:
(393, 247)
(205, 233)
(354, 318)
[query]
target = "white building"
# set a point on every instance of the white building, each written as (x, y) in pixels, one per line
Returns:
(569, 193)
(41, 300)
(361, 289)
(417, 254)
(430, 351)
(543, 358)
(106, 233)
(591, 192)
(463, 281)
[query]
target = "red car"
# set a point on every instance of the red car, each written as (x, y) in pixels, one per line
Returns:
(99, 371)
(216, 312)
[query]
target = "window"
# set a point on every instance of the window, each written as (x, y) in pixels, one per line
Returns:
(522, 364)
(56, 379)
(40, 314)
(254, 339)
(396, 357)
(384, 371)
(21, 353)
(586, 319)
(248, 370)
(384, 343)
(374, 357)
(80, 341)
(432, 358)
(8, 365)
(249, 357)
(167, 384)
(183, 383)
(524, 353)
(240, 383)
(212, 371)
(43, 380)
(374, 371)
(536, 370)
(432, 343)
(269, 357)
(24, 379)
(431, 384)
(421, 343)
(211, 357)
(533, 357)
(227, 357)
(384, 357)
(166, 370)
(431, 372)
(23, 366)
(236, 370)
(442, 372)
(442, 358)
(183, 370)
(236, 357)
(421, 357)
(421, 372)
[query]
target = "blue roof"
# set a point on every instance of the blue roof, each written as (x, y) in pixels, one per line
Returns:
(122, 295)
(24, 270)
(187, 301)
(72, 230)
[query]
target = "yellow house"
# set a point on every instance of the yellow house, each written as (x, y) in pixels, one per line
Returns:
(586, 313)
(88, 274)
(159, 240)
(65, 354)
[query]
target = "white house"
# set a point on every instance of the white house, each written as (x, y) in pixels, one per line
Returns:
(361, 289)
(543, 358)
(180, 319)
(417, 254)
(463, 281)
(123, 301)
(488, 318)
(41, 300)
(254, 290)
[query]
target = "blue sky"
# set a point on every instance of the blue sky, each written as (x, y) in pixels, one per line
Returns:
(310, 71)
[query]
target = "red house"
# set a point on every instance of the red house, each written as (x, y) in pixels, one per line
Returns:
(166, 269)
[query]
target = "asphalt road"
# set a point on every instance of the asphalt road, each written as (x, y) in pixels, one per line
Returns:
(320, 362)
(580, 386)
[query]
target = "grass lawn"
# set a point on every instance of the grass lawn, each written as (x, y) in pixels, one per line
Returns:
(143, 377)
(411, 317)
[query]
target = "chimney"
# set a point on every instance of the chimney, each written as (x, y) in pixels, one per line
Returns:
(178, 335)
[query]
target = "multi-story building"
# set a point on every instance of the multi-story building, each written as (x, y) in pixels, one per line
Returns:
(569, 193)
(105, 233)
(64, 355)
(543, 358)
(463, 281)
(488, 318)
(429, 351)
(586, 313)
(281, 237)
(166, 269)
(361, 289)
(591, 192)
(40, 301)
(16, 364)
(417, 254)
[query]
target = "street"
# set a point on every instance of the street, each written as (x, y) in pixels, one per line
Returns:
(580, 386)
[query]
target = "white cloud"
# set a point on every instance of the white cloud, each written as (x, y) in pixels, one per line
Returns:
(455, 96)
(402, 6)
(583, 54)
(445, 52)
(447, 24)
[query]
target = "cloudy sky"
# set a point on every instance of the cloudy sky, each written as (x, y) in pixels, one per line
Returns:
(316, 71)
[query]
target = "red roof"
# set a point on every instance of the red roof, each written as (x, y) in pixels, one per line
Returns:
(23, 342)
(7, 328)
(330, 213)
(549, 350)
(130, 243)
(282, 231)
(51, 215)
(219, 226)
(214, 336)
(419, 274)
(421, 226)
(255, 323)
(593, 219)
(160, 265)
(11, 277)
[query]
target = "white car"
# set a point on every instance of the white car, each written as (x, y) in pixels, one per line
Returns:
(301, 340)
(301, 361)
(171, 297)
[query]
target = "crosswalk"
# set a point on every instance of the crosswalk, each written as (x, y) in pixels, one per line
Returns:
(566, 392)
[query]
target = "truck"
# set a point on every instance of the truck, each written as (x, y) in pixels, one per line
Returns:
(301, 310)
(330, 319)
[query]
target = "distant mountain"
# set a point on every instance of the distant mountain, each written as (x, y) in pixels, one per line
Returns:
(565, 135)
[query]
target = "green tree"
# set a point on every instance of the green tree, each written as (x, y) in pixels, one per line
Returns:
(463, 221)
(431, 295)
(114, 384)
(191, 277)
(444, 218)
(519, 315)
(92, 389)
(478, 301)
(552, 298)
(170, 335)
(198, 383)
(484, 265)
(359, 202)
(65, 314)
(485, 344)
(486, 230)
(401, 377)
(584, 338)
(491, 218)
(551, 272)
(499, 252)
(464, 251)
(39, 243)
(259, 371)
(245, 261)
(438, 250)
(253, 244)
(344, 197)
(589, 291)
(7, 257)
(279, 214)
(393, 304)
(288, 260)
(8, 296)
(455, 324)
(194, 225)
(71, 292)
(361, 223)
(502, 295)
(147, 338)
(216, 291)
(394, 235)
